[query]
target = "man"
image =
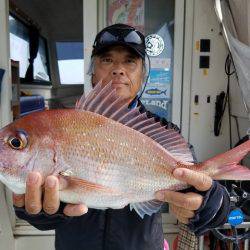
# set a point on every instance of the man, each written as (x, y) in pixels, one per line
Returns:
(119, 55)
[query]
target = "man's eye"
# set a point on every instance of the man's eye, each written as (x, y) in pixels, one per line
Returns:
(106, 60)
(131, 61)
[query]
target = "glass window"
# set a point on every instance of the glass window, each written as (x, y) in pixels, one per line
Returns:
(19, 44)
(19, 50)
(70, 62)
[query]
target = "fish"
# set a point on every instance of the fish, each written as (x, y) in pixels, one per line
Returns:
(109, 155)
(155, 91)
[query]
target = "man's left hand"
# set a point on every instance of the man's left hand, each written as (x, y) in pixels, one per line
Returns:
(183, 205)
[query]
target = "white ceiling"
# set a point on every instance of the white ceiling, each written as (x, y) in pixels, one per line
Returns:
(59, 19)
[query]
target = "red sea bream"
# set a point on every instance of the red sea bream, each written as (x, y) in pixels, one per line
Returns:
(111, 156)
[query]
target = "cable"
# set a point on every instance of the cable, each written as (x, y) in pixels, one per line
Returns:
(229, 113)
(237, 126)
(229, 73)
(222, 100)
(228, 65)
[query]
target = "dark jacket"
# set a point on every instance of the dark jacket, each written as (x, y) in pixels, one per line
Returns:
(109, 229)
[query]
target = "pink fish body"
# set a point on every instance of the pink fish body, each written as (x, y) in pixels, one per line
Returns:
(108, 162)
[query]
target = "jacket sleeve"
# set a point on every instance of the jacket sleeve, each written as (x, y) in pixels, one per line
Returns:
(43, 221)
(213, 211)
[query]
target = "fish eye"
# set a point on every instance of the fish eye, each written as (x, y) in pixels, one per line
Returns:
(15, 143)
(19, 141)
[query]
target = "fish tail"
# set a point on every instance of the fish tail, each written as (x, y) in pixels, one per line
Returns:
(225, 166)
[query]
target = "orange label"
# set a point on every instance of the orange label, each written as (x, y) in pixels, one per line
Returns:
(205, 72)
(197, 45)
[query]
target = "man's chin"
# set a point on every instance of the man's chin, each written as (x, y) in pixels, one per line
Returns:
(122, 92)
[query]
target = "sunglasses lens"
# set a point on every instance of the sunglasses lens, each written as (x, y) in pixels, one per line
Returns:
(133, 37)
(107, 38)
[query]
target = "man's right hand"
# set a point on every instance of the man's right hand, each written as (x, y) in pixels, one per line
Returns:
(32, 199)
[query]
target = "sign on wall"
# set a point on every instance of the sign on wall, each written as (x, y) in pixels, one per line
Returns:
(130, 12)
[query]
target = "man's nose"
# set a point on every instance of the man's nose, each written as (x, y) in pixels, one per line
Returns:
(118, 71)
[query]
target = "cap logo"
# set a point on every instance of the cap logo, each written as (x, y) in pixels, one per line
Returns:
(154, 45)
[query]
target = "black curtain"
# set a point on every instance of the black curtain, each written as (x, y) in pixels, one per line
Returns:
(33, 46)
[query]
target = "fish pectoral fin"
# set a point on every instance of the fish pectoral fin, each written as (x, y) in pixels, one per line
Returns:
(76, 183)
(148, 207)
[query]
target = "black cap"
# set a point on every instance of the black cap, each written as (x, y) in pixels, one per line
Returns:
(119, 34)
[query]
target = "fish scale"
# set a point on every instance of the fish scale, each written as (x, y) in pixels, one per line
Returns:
(116, 156)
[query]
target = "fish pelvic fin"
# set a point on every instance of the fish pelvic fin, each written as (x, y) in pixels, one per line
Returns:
(103, 100)
(148, 207)
(76, 183)
(225, 166)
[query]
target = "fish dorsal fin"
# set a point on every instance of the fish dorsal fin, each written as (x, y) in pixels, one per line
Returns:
(106, 102)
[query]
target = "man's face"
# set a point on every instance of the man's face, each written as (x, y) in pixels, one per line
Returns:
(123, 68)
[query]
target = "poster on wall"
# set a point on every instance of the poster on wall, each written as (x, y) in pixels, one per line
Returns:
(158, 91)
(130, 12)
(160, 76)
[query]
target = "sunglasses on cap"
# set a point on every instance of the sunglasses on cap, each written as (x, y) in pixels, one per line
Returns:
(120, 35)
(131, 37)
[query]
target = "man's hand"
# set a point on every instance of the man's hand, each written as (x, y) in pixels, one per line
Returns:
(183, 205)
(32, 200)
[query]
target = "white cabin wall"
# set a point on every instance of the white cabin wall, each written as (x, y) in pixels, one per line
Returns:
(198, 120)
(6, 235)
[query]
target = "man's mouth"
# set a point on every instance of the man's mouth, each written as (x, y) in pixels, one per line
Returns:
(117, 83)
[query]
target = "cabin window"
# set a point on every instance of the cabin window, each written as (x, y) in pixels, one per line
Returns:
(19, 44)
(19, 50)
(70, 62)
